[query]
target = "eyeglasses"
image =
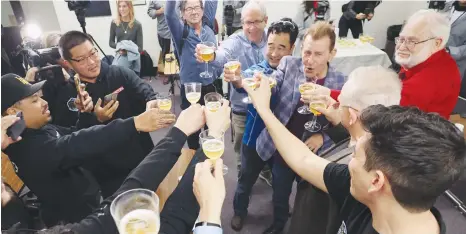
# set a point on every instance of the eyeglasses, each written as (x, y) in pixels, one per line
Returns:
(253, 23)
(409, 43)
(193, 9)
(94, 55)
(284, 23)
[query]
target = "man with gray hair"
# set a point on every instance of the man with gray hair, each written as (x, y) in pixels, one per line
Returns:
(249, 46)
(313, 211)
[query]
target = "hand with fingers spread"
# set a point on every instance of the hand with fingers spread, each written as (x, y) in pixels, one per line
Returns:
(218, 121)
(261, 95)
(153, 119)
(7, 121)
(191, 119)
(317, 90)
(209, 189)
(105, 113)
(332, 112)
(315, 142)
(87, 105)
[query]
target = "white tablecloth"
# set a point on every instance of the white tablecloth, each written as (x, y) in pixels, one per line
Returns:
(363, 54)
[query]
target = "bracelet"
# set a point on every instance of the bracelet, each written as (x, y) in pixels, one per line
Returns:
(207, 224)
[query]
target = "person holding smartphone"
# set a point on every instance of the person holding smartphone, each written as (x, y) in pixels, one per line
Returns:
(354, 14)
(55, 162)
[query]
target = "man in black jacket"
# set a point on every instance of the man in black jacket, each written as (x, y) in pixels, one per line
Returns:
(50, 158)
(354, 13)
(102, 79)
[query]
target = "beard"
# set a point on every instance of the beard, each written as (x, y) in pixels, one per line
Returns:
(415, 59)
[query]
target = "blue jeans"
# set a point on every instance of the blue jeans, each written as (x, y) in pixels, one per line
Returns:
(283, 177)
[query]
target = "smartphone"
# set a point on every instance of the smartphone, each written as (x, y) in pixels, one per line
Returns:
(112, 96)
(77, 83)
(15, 130)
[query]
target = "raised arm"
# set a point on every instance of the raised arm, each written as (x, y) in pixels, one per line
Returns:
(295, 153)
(226, 50)
(173, 22)
(112, 35)
(210, 9)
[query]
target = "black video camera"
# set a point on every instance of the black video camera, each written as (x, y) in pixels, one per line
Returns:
(74, 5)
(46, 60)
(322, 8)
(228, 15)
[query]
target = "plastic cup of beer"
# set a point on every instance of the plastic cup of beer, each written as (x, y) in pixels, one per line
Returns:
(213, 101)
(164, 101)
(232, 65)
(136, 211)
(193, 92)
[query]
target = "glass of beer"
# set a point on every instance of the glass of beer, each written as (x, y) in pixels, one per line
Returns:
(213, 147)
(207, 54)
(136, 211)
(193, 92)
(164, 101)
(313, 125)
(272, 80)
(213, 101)
(232, 65)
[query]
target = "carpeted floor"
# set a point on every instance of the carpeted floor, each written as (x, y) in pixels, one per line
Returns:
(260, 209)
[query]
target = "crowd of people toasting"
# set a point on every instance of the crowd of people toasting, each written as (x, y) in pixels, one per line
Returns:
(371, 152)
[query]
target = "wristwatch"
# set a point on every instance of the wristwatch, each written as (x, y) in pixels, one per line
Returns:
(207, 224)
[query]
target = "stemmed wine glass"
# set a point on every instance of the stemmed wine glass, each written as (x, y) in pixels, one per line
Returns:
(249, 79)
(207, 54)
(303, 87)
(193, 92)
(213, 147)
(232, 65)
(313, 125)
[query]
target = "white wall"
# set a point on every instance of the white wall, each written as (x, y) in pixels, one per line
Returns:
(389, 12)
(41, 13)
(7, 12)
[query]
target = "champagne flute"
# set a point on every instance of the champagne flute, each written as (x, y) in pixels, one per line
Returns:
(164, 100)
(136, 211)
(272, 80)
(313, 126)
(207, 54)
(232, 65)
(193, 92)
(213, 147)
(213, 101)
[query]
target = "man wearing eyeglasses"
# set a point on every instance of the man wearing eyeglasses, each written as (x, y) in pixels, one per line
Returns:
(101, 79)
(249, 48)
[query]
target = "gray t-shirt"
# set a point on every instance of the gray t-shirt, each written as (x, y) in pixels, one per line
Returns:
(124, 32)
(162, 28)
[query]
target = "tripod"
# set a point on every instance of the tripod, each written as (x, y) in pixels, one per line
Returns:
(81, 15)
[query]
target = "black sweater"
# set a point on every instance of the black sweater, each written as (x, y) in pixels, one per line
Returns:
(110, 173)
(49, 162)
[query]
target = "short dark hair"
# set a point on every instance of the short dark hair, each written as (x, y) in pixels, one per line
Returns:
(69, 40)
(422, 154)
(282, 27)
(183, 4)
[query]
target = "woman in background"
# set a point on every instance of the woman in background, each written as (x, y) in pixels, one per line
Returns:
(125, 26)
(305, 18)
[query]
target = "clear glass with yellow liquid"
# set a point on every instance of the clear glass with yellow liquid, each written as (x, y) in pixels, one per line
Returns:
(303, 87)
(193, 92)
(164, 101)
(213, 146)
(207, 54)
(213, 101)
(232, 65)
(213, 106)
(313, 125)
(136, 211)
(193, 98)
(314, 105)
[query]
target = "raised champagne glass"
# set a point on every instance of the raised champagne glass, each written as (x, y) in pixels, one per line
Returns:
(213, 101)
(313, 125)
(193, 92)
(136, 211)
(207, 54)
(303, 87)
(232, 65)
(249, 79)
(213, 146)
(164, 101)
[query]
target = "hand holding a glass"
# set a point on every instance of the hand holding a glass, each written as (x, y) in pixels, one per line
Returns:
(218, 121)
(209, 189)
(232, 71)
(260, 96)
(191, 119)
(331, 111)
(205, 52)
(312, 91)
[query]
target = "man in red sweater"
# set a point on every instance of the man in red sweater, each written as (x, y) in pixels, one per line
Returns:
(431, 80)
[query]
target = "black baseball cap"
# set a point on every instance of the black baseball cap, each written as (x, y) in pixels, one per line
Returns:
(15, 88)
